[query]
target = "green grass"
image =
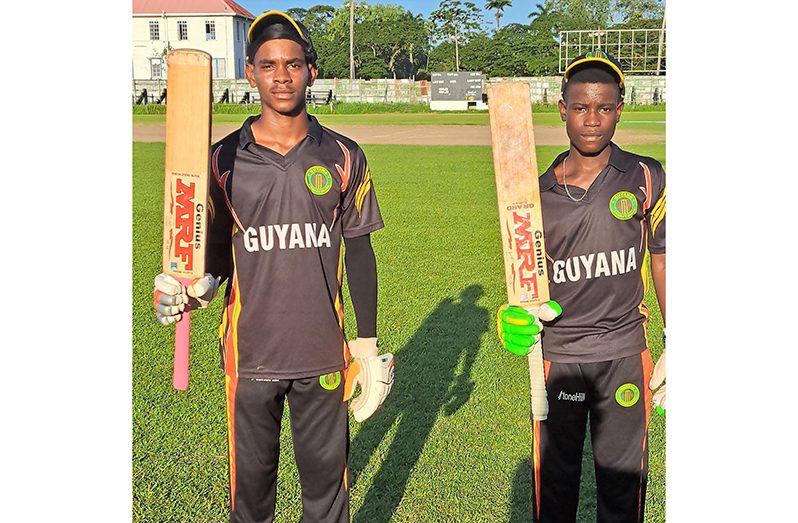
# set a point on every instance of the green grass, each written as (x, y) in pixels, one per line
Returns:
(638, 120)
(452, 442)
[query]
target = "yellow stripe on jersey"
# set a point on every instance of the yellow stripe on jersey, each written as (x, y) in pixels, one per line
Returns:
(229, 327)
(641, 307)
(339, 310)
(236, 311)
(658, 213)
(338, 305)
(362, 191)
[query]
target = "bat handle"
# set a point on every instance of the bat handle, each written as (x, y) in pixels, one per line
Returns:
(537, 379)
(182, 335)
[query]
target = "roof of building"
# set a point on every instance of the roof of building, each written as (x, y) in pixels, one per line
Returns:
(142, 7)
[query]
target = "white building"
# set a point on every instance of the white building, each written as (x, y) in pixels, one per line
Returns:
(218, 27)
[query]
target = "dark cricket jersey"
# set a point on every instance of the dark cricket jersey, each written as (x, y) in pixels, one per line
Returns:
(596, 254)
(276, 235)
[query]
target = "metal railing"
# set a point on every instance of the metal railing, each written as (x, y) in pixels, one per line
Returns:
(638, 50)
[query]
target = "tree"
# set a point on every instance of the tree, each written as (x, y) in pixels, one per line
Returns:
(563, 15)
(297, 13)
(393, 34)
(629, 12)
(457, 21)
(317, 18)
(330, 30)
(499, 6)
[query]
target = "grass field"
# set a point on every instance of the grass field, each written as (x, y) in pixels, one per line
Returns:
(452, 442)
(639, 120)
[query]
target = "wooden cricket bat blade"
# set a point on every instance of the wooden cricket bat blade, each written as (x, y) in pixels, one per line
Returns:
(520, 217)
(188, 136)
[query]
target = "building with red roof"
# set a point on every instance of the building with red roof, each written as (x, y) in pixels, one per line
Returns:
(218, 27)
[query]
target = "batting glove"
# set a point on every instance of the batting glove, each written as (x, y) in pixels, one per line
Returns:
(172, 298)
(657, 383)
(519, 330)
(374, 374)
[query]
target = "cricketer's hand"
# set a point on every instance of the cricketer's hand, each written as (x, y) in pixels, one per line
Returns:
(519, 330)
(657, 383)
(172, 298)
(373, 372)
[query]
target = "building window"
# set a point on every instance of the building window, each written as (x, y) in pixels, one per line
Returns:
(219, 68)
(182, 30)
(155, 31)
(156, 68)
(238, 31)
(210, 30)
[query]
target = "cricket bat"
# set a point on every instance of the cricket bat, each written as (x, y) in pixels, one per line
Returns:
(521, 220)
(188, 136)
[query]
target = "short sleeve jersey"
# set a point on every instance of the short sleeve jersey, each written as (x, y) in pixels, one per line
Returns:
(276, 234)
(596, 251)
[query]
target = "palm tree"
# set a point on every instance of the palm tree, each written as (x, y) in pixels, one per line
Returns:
(543, 10)
(499, 6)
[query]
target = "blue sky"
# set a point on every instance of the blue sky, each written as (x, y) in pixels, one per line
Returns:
(518, 13)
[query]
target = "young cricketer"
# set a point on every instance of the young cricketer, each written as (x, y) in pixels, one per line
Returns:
(287, 195)
(603, 211)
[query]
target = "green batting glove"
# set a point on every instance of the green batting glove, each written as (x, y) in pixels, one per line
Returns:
(519, 330)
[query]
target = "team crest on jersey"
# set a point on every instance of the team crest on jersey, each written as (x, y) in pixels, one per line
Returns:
(330, 381)
(627, 394)
(318, 179)
(623, 205)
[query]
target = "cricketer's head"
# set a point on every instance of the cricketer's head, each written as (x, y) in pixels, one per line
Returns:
(274, 25)
(594, 67)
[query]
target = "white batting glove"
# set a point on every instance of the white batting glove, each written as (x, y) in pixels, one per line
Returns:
(657, 383)
(373, 372)
(172, 298)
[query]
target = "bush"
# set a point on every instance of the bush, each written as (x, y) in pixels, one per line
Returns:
(365, 108)
(338, 107)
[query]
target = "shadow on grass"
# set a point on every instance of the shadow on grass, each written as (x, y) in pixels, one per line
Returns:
(521, 509)
(426, 385)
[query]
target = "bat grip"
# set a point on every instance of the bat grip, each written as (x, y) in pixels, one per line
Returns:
(182, 335)
(537, 379)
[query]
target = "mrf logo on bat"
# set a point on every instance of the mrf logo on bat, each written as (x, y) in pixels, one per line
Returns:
(529, 262)
(187, 227)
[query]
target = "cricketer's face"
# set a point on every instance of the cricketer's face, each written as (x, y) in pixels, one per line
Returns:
(590, 112)
(281, 75)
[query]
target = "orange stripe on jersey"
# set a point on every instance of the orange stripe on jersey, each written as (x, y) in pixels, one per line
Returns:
(230, 385)
(347, 172)
(231, 315)
(230, 324)
(647, 174)
(648, 368)
(221, 181)
(536, 447)
(642, 306)
(536, 465)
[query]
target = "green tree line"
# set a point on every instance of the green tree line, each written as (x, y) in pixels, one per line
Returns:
(392, 42)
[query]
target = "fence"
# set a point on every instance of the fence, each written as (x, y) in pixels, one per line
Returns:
(641, 90)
